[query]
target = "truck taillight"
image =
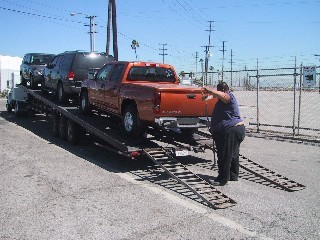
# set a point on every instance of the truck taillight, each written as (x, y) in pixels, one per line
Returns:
(70, 75)
(156, 103)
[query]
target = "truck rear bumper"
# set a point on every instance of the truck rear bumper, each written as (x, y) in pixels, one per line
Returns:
(182, 122)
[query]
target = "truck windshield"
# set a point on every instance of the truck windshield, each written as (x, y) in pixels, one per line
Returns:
(151, 74)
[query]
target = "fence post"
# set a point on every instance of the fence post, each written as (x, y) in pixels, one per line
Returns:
(299, 110)
(258, 123)
(294, 96)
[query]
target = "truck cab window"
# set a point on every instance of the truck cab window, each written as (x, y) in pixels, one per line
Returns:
(104, 73)
(117, 73)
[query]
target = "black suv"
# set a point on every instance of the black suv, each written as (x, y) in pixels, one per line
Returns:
(32, 66)
(65, 73)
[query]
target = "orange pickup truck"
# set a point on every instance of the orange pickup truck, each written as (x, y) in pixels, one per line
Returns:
(144, 94)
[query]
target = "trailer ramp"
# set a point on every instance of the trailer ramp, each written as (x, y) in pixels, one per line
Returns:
(205, 191)
(265, 173)
(269, 175)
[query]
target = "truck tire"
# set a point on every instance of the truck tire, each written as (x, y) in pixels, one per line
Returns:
(131, 122)
(84, 103)
(73, 132)
(33, 85)
(55, 125)
(62, 96)
(44, 91)
(63, 127)
(23, 81)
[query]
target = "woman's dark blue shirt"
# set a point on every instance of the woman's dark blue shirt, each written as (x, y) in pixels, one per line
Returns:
(225, 115)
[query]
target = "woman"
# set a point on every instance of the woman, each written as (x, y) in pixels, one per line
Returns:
(228, 131)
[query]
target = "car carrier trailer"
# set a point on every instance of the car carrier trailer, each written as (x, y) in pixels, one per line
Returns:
(68, 123)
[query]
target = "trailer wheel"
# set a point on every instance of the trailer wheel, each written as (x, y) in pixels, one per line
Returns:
(63, 128)
(73, 132)
(84, 103)
(131, 122)
(55, 125)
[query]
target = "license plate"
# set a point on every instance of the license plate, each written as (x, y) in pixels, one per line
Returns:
(181, 153)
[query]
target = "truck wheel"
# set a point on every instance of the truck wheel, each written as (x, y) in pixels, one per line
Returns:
(43, 87)
(55, 125)
(131, 122)
(63, 128)
(23, 81)
(84, 103)
(73, 132)
(62, 96)
(32, 83)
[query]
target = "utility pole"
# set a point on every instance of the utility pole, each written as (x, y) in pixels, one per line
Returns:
(163, 49)
(92, 31)
(196, 64)
(231, 62)
(108, 27)
(223, 50)
(207, 51)
(114, 29)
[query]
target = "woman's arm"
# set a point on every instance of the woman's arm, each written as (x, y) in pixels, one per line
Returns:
(223, 96)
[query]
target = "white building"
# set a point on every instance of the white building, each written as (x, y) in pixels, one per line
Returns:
(9, 71)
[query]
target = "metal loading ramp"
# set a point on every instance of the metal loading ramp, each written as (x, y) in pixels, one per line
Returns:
(210, 195)
(269, 175)
(265, 173)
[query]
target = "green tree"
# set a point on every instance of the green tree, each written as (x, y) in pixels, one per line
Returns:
(134, 46)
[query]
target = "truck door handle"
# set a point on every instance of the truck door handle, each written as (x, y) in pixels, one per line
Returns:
(191, 96)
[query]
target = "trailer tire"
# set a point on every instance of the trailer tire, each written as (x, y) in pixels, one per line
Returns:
(131, 122)
(55, 125)
(84, 103)
(63, 128)
(73, 132)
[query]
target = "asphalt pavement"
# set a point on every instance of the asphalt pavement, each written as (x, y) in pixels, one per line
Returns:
(52, 190)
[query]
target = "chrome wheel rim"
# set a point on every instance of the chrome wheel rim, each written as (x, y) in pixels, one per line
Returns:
(128, 121)
(83, 102)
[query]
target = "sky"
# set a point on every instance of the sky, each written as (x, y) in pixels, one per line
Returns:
(271, 32)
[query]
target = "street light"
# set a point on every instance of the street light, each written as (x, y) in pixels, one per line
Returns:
(92, 31)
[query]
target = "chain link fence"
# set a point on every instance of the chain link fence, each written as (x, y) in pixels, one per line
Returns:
(275, 99)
